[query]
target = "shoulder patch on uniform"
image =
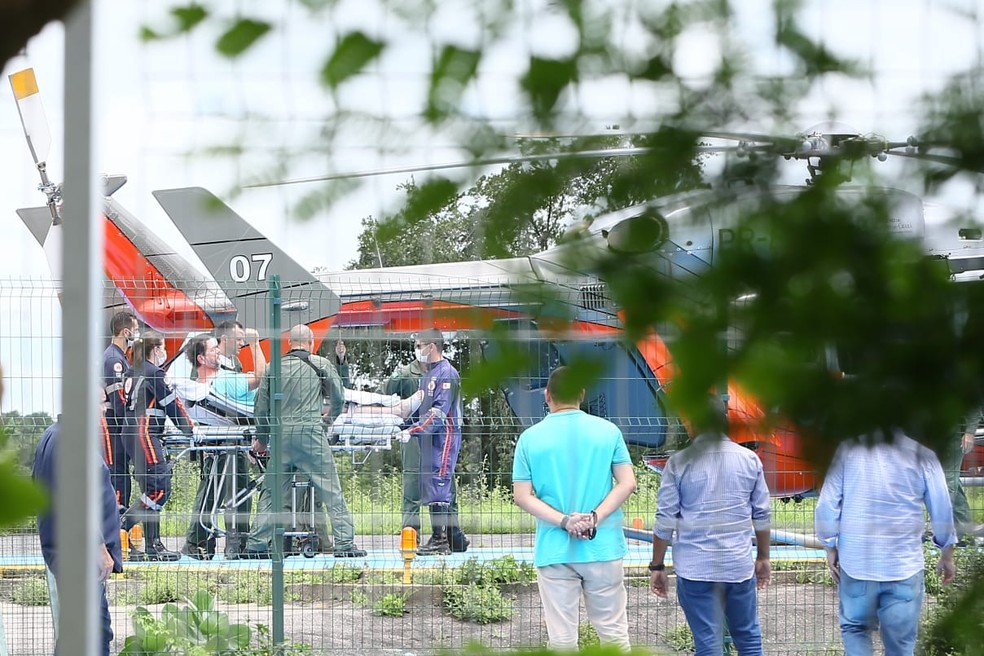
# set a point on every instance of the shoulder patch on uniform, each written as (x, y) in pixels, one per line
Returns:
(431, 384)
(118, 367)
(445, 385)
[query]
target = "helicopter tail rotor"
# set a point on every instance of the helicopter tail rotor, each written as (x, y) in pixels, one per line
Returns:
(25, 87)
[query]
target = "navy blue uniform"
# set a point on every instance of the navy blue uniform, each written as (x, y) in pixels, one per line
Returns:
(439, 431)
(149, 402)
(115, 370)
(45, 474)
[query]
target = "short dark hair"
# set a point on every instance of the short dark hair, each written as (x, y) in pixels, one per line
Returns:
(713, 417)
(226, 328)
(197, 346)
(564, 387)
(121, 321)
(431, 336)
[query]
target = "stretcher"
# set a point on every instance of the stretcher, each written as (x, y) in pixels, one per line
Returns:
(224, 426)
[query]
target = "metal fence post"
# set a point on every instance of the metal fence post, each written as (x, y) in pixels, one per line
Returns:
(275, 471)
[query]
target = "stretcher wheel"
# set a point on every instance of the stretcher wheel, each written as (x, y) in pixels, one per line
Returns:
(309, 549)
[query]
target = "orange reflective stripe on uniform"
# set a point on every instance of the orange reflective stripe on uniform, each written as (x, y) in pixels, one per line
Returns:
(145, 442)
(107, 446)
(446, 450)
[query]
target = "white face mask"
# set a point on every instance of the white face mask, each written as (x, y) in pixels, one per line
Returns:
(423, 354)
(134, 335)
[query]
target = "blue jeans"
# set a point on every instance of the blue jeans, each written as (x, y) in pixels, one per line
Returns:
(892, 605)
(707, 604)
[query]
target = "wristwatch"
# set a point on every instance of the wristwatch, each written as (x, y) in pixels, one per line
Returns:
(656, 567)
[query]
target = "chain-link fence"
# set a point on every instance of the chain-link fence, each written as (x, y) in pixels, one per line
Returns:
(224, 536)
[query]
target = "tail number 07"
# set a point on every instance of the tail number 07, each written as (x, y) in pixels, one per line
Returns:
(241, 267)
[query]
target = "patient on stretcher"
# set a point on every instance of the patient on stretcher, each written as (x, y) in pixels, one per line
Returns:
(226, 400)
(217, 396)
(368, 416)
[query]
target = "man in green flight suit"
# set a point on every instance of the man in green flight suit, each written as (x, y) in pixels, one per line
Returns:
(308, 380)
(404, 383)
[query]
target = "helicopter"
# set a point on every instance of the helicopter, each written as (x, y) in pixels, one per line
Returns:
(393, 299)
(677, 230)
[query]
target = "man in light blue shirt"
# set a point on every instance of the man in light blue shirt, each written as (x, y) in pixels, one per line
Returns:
(713, 495)
(206, 355)
(562, 475)
(870, 519)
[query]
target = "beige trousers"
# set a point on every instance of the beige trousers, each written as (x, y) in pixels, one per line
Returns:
(561, 589)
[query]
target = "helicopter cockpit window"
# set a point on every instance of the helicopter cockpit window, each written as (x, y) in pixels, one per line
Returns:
(639, 234)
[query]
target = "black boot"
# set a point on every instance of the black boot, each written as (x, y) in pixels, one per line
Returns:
(155, 551)
(235, 544)
(200, 550)
(437, 545)
(458, 542)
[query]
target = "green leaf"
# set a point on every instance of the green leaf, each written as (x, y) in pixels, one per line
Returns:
(545, 80)
(351, 55)
(22, 498)
(239, 635)
(428, 198)
(148, 34)
(203, 600)
(452, 72)
(243, 34)
(132, 647)
(189, 16)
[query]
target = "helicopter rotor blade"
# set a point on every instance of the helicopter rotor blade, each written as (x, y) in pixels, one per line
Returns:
(491, 161)
(31, 110)
(948, 160)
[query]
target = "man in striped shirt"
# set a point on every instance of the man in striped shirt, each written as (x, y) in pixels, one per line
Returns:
(713, 495)
(870, 519)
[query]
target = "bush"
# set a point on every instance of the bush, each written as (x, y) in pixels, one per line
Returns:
(31, 592)
(482, 604)
(953, 627)
(167, 587)
(391, 605)
(587, 636)
(194, 628)
(679, 638)
(500, 571)
(266, 647)
(249, 588)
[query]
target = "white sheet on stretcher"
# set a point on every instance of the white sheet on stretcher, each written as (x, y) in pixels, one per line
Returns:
(379, 421)
(192, 392)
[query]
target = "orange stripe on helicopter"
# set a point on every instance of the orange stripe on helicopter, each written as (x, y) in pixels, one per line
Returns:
(155, 300)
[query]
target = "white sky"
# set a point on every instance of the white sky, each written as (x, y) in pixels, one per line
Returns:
(158, 101)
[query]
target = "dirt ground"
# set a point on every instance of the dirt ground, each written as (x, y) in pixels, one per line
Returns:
(796, 619)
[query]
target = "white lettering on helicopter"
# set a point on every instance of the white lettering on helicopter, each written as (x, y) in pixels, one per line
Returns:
(241, 266)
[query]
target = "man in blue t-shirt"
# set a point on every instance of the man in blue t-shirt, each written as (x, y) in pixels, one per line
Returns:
(216, 368)
(563, 475)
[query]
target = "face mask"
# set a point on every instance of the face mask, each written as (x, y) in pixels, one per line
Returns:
(423, 354)
(134, 335)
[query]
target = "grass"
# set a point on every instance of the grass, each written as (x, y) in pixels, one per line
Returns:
(375, 501)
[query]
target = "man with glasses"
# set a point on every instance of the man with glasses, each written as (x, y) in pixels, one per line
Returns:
(206, 355)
